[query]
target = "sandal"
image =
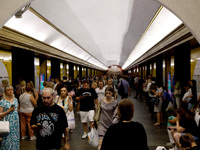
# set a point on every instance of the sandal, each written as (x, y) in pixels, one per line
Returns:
(156, 124)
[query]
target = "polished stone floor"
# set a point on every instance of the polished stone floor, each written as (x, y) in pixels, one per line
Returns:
(156, 135)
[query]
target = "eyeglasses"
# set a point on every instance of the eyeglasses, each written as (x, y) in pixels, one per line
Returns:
(49, 97)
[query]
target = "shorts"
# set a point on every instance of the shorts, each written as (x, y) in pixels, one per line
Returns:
(87, 115)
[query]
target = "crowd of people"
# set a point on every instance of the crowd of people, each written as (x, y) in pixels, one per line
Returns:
(179, 104)
(49, 113)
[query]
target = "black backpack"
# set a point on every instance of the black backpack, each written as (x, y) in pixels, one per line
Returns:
(121, 89)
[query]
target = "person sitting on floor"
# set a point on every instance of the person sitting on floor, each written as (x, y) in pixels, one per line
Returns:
(187, 142)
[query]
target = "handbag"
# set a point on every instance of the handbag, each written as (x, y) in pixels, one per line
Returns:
(4, 127)
(155, 100)
(97, 112)
(70, 120)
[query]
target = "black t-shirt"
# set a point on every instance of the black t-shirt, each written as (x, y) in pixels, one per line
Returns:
(87, 103)
(190, 126)
(127, 136)
(49, 137)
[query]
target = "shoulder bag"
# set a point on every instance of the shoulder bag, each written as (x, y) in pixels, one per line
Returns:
(98, 112)
(4, 126)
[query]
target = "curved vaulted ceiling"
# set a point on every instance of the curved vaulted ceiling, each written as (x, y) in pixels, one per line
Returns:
(103, 33)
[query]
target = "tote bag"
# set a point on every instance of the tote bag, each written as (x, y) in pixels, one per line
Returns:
(97, 112)
(71, 120)
(4, 127)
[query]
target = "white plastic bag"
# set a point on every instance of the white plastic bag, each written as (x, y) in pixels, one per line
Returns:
(161, 148)
(93, 138)
(71, 120)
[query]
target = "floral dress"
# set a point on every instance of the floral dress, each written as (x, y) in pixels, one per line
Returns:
(62, 103)
(11, 141)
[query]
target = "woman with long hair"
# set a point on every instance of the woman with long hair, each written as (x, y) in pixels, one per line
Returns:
(185, 123)
(126, 134)
(108, 106)
(9, 112)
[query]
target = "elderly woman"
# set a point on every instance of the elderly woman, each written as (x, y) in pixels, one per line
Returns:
(126, 133)
(9, 112)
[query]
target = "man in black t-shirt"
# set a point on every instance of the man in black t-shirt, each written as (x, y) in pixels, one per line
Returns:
(50, 122)
(87, 97)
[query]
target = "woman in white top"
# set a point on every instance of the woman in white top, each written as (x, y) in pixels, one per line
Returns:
(27, 104)
(64, 101)
(158, 107)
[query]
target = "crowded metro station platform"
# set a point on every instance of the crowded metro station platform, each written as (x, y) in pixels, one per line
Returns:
(92, 74)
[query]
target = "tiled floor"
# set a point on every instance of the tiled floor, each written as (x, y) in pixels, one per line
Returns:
(156, 135)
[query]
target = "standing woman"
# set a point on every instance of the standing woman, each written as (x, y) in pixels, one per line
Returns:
(108, 107)
(126, 134)
(158, 107)
(27, 104)
(9, 111)
(64, 101)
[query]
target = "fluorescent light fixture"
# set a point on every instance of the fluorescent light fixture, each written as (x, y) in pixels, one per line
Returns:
(61, 65)
(36, 61)
(48, 63)
(164, 23)
(33, 26)
(5, 57)
(67, 66)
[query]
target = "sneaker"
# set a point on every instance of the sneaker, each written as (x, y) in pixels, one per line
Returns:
(84, 135)
(32, 138)
(24, 137)
(170, 144)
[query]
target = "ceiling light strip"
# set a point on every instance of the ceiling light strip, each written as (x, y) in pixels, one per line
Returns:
(61, 32)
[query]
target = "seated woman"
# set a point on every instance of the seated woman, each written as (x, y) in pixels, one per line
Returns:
(184, 124)
(125, 134)
(187, 142)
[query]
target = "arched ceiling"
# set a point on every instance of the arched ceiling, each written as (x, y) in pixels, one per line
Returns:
(103, 33)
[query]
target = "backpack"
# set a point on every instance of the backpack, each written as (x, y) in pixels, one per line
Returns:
(121, 89)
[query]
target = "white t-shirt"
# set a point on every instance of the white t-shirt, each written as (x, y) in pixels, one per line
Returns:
(100, 93)
(188, 93)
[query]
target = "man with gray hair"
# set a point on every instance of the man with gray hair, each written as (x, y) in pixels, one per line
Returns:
(50, 122)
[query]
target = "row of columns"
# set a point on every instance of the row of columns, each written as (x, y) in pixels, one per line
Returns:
(23, 66)
(181, 65)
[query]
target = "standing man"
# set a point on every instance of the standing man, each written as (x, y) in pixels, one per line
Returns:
(87, 97)
(50, 122)
(125, 87)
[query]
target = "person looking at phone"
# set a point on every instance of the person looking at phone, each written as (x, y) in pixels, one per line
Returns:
(50, 122)
(9, 112)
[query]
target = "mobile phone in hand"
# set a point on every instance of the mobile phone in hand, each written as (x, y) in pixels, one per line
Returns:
(12, 106)
(39, 125)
